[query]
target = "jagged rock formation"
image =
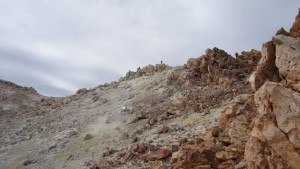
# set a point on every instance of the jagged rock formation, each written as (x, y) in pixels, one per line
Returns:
(266, 69)
(274, 141)
(147, 70)
(204, 114)
(295, 30)
(216, 66)
(288, 60)
(275, 138)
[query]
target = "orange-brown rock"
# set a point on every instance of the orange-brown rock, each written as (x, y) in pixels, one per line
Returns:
(295, 30)
(200, 155)
(147, 157)
(226, 115)
(156, 165)
(227, 155)
(151, 120)
(162, 153)
(275, 140)
(202, 105)
(281, 31)
(230, 164)
(266, 68)
(216, 66)
(163, 129)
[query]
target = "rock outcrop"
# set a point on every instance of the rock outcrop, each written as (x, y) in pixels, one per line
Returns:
(266, 68)
(204, 114)
(295, 30)
(275, 138)
(216, 66)
(147, 70)
(259, 130)
(288, 60)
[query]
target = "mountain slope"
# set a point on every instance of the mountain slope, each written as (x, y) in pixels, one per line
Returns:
(115, 115)
(204, 114)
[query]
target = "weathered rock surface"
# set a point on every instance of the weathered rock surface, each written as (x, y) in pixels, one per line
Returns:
(216, 66)
(275, 138)
(266, 68)
(147, 70)
(295, 30)
(288, 60)
(200, 115)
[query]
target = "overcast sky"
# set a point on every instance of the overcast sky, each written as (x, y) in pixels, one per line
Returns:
(59, 46)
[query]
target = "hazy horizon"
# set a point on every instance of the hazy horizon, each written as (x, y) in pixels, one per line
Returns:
(58, 47)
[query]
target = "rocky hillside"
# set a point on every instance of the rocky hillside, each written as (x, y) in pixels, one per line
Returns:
(216, 111)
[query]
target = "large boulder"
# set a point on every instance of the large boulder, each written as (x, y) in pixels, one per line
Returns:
(288, 60)
(275, 138)
(266, 68)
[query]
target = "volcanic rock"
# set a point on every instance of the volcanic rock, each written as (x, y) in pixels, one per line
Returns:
(295, 30)
(288, 60)
(275, 138)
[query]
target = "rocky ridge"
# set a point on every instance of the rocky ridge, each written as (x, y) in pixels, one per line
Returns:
(216, 111)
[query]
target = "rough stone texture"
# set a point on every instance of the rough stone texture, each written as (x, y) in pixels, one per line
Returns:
(216, 66)
(81, 91)
(162, 153)
(192, 156)
(147, 70)
(266, 69)
(223, 145)
(288, 60)
(200, 115)
(282, 31)
(275, 140)
(295, 30)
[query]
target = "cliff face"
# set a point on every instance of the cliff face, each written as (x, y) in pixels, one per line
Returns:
(275, 139)
(216, 111)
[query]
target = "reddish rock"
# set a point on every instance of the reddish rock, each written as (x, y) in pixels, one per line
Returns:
(174, 158)
(162, 153)
(275, 137)
(147, 157)
(163, 129)
(202, 105)
(266, 68)
(281, 31)
(295, 30)
(226, 115)
(227, 155)
(230, 164)
(218, 67)
(212, 134)
(200, 155)
(151, 120)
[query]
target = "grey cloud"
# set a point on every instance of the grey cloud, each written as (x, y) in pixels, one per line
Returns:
(21, 67)
(22, 77)
(74, 44)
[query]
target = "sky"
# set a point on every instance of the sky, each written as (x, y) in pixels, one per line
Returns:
(59, 46)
